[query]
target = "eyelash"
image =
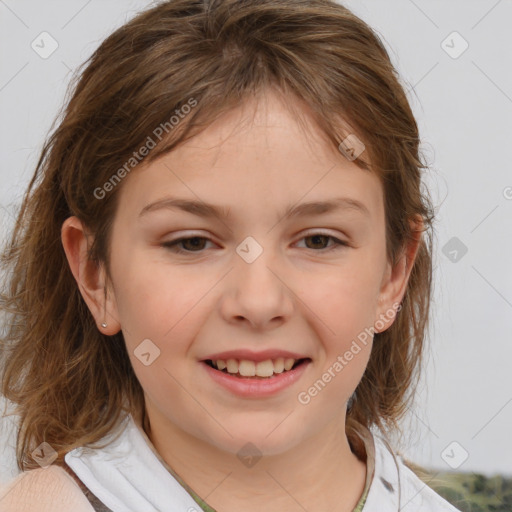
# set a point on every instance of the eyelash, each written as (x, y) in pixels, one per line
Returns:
(173, 245)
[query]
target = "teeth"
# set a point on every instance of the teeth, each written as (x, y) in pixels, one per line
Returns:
(279, 365)
(247, 368)
(288, 363)
(232, 365)
(263, 368)
(250, 369)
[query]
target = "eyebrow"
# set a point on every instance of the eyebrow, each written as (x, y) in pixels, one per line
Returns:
(206, 210)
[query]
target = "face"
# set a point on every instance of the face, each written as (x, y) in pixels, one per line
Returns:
(249, 282)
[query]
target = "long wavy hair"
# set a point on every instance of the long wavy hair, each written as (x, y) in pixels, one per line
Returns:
(69, 383)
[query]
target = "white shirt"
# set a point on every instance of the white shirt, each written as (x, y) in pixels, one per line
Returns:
(129, 476)
(396, 488)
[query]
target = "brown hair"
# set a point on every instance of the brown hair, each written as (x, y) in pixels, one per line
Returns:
(70, 383)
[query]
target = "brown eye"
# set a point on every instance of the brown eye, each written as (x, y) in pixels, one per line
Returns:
(196, 244)
(190, 244)
(193, 243)
(319, 242)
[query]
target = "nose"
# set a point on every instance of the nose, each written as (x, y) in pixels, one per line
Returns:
(257, 291)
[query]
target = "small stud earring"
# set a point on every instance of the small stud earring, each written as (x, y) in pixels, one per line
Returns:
(104, 325)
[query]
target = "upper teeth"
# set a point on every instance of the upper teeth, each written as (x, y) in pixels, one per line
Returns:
(250, 368)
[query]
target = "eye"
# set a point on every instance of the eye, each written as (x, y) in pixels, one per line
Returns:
(320, 238)
(196, 244)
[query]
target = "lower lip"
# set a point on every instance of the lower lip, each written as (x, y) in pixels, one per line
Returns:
(248, 387)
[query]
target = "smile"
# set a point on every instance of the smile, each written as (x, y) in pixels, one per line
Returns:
(264, 379)
(262, 369)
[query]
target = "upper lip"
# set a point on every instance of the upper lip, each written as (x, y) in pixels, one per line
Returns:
(250, 355)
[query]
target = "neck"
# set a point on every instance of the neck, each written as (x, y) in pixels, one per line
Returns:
(320, 474)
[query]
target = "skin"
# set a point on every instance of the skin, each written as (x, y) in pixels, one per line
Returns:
(301, 294)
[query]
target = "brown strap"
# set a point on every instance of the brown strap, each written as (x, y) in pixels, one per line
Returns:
(96, 504)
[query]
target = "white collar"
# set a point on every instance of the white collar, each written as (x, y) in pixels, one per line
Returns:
(395, 487)
(127, 476)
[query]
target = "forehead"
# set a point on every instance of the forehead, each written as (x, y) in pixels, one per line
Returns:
(258, 155)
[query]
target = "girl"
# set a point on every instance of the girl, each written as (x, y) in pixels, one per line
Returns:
(179, 337)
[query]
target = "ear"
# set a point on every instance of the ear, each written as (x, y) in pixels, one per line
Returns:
(90, 277)
(396, 278)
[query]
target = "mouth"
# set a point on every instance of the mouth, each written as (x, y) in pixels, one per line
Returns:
(245, 369)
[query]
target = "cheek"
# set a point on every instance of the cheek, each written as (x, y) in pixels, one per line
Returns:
(155, 300)
(345, 298)
(163, 306)
(167, 308)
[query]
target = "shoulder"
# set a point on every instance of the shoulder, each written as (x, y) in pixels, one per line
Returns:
(48, 489)
(420, 493)
(398, 487)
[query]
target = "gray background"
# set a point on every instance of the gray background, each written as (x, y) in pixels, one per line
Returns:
(463, 104)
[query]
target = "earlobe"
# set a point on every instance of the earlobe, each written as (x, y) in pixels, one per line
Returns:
(90, 277)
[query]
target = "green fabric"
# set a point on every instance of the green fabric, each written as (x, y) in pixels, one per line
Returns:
(362, 501)
(204, 506)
